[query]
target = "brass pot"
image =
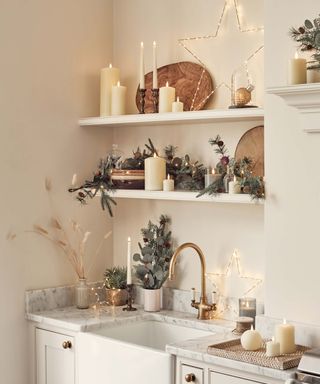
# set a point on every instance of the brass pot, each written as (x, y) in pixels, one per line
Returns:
(116, 297)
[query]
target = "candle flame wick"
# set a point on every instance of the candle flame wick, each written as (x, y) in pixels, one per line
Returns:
(296, 56)
(167, 84)
(284, 321)
(129, 238)
(118, 84)
(141, 44)
(110, 65)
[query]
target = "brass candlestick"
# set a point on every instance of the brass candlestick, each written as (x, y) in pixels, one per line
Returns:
(155, 99)
(142, 93)
(129, 306)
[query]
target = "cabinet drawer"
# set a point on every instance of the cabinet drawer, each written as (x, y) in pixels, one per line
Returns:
(191, 374)
(220, 378)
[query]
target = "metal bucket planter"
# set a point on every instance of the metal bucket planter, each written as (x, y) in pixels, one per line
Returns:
(116, 297)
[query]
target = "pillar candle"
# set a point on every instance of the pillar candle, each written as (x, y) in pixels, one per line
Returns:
(155, 70)
(166, 98)
(177, 106)
(297, 70)
(193, 294)
(272, 348)
(109, 77)
(118, 100)
(129, 275)
(154, 173)
(234, 186)
(168, 184)
(285, 336)
(251, 340)
(141, 79)
(247, 307)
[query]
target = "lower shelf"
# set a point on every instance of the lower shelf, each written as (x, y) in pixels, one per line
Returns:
(185, 196)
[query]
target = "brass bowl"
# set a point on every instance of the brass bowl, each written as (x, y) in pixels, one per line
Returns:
(116, 297)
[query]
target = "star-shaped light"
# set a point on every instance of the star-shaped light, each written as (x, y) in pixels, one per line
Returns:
(241, 62)
(232, 283)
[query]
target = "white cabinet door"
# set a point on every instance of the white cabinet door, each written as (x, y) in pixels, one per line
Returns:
(55, 358)
(219, 378)
(190, 374)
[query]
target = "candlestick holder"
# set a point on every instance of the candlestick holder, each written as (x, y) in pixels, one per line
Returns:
(142, 93)
(129, 306)
(155, 99)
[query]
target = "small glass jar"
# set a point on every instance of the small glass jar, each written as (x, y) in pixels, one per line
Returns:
(82, 294)
(248, 307)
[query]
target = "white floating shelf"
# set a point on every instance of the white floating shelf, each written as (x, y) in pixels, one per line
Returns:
(184, 196)
(304, 97)
(205, 116)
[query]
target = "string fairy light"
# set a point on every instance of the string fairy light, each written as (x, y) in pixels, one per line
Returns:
(184, 41)
(214, 277)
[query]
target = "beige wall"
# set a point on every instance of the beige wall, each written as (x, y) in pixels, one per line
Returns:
(51, 53)
(293, 205)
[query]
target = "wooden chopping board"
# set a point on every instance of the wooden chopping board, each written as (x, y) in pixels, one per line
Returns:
(185, 78)
(251, 145)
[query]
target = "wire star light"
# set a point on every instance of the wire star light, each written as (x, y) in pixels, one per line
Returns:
(183, 42)
(251, 282)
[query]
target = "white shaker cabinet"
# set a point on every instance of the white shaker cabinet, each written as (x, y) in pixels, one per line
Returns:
(219, 378)
(55, 358)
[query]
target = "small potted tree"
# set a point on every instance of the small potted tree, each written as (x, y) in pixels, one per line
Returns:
(153, 261)
(115, 283)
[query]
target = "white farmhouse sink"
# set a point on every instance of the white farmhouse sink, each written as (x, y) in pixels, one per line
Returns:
(123, 353)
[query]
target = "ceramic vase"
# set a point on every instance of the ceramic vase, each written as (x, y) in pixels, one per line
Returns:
(82, 294)
(152, 300)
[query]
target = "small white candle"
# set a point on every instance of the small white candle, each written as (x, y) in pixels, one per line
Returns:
(193, 294)
(154, 173)
(285, 335)
(297, 70)
(168, 184)
(166, 98)
(251, 340)
(109, 77)
(129, 274)
(155, 70)
(74, 179)
(118, 102)
(177, 106)
(234, 186)
(272, 348)
(214, 297)
(142, 80)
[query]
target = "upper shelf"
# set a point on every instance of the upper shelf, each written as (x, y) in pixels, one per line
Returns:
(304, 97)
(204, 116)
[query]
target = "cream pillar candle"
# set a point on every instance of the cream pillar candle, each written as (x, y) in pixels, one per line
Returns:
(155, 70)
(297, 70)
(168, 184)
(272, 348)
(251, 340)
(285, 336)
(234, 186)
(129, 262)
(177, 106)
(109, 77)
(141, 73)
(154, 173)
(166, 98)
(118, 100)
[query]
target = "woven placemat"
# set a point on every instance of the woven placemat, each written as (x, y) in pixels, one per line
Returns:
(233, 350)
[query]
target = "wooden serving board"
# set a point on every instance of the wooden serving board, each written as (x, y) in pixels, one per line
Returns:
(185, 77)
(251, 145)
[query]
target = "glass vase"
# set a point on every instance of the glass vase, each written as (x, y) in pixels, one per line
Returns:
(82, 294)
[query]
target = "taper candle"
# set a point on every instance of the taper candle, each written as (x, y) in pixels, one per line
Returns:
(109, 77)
(155, 70)
(118, 101)
(129, 261)
(142, 80)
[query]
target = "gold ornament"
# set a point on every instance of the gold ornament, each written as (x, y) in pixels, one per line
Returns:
(242, 97)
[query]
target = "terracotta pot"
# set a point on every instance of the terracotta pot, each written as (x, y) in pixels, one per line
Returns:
(152, 300)
(116, 297)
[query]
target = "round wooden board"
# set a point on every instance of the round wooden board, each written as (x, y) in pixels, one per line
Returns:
(251, 145)
(184, 77)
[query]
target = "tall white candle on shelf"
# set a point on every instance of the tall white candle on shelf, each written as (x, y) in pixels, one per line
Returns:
(297, 70)
(168, 184)
(285, 336)
(129, 272)
(154, 173)
(109, 77)
(155, 70)
(177, 106)
(166, 98)
(272, 348)
(141, 79)
(118, 100)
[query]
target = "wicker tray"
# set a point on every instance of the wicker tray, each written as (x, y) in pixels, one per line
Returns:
(233, 350)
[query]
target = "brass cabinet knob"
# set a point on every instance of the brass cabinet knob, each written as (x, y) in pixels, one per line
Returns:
(189, 377)
(66, 345)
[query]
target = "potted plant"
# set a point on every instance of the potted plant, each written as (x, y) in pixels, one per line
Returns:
(115, 283)
(153, 261)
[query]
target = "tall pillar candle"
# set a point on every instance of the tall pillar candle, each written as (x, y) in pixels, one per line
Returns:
(154, 173)
(141, 72)
(118, 99)
(155, 69)
(129, 262)
(284, 334)
(297, 70)
(166, 98)
(109, 77)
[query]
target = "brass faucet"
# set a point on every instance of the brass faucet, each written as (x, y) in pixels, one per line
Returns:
(205, 310)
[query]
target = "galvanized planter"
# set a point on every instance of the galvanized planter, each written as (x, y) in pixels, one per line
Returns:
(116, 297)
